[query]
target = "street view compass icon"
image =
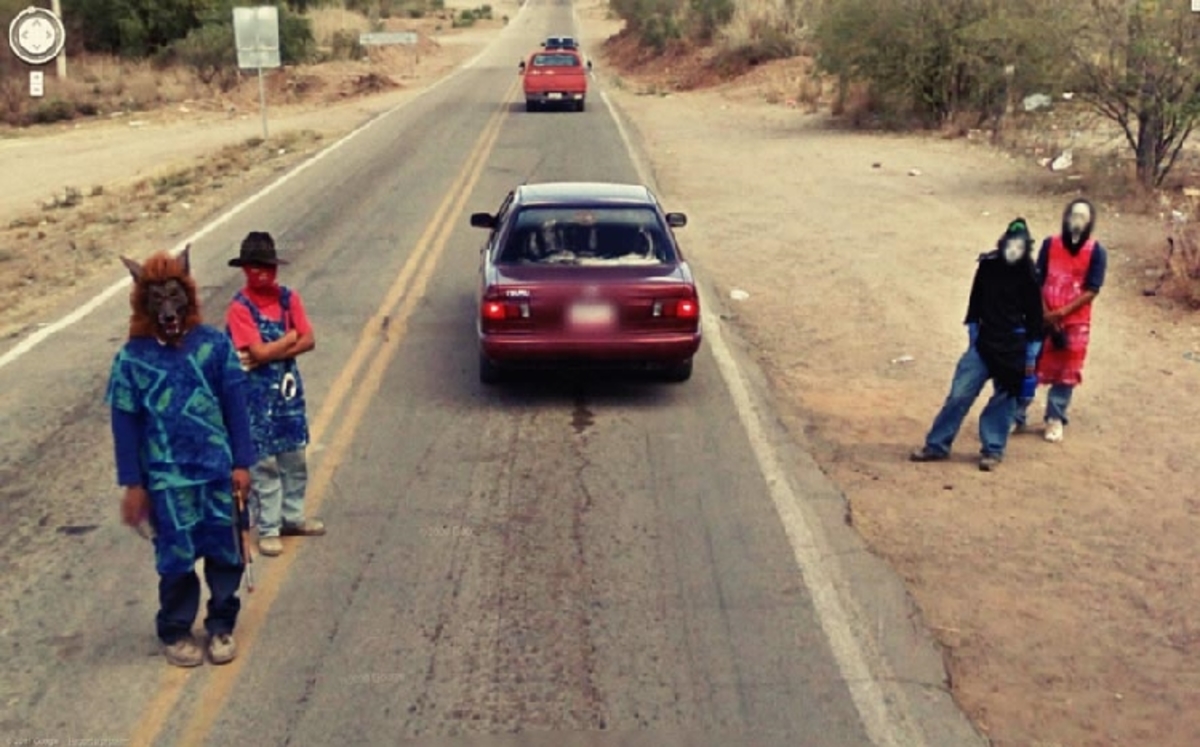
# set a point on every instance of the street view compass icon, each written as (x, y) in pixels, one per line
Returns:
(36, 36)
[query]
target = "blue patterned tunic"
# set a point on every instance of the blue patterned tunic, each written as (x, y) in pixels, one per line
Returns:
(181, 411)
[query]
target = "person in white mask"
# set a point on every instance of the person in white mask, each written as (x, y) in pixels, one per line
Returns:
(1071, 266)
(1004, 317)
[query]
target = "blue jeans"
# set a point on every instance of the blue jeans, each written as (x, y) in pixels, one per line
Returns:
(279, 484)
(1057, 401)
(969, 378)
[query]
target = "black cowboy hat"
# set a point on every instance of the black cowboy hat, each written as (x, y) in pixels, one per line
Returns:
(258, 250)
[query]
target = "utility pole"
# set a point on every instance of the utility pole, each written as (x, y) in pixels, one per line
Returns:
(61, 60)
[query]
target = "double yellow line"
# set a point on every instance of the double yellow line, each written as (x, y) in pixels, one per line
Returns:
(376, 351)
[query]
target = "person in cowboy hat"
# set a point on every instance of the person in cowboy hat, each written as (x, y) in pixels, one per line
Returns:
(269, 328)
(1004, 319)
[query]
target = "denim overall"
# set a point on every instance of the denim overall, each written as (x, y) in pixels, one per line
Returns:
(277, 412)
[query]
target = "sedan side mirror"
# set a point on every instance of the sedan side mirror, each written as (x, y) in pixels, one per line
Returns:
(589, 66)
(483, 220)
(521, 67)
(676, 220)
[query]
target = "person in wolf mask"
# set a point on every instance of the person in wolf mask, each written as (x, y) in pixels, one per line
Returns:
(269, 328)
(1071, 266)
(1004, 316)
(183, 446)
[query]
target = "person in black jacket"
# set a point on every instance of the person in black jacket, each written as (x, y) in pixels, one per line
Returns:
(1004, 318)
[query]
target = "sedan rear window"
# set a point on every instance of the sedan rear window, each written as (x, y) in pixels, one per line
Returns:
(555, 60)
(588, 237)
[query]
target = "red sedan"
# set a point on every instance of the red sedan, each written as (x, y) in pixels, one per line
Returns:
(585, 274)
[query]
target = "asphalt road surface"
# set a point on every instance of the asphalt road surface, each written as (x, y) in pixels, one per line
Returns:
(571, 560)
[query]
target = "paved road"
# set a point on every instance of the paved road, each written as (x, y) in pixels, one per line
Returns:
(583, 560)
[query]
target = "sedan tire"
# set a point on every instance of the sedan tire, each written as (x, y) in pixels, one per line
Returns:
(580, 105)
(489, 372)
(531, 106)
(678, 372)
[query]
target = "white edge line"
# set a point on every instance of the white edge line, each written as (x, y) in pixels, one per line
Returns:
(885, 726)
(42, 334)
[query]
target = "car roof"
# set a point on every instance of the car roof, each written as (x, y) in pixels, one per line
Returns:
(575, 193)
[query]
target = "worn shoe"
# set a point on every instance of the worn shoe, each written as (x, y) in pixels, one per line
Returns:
(183, 653)
(1018, 428)
(270, 546)
(926, 454)
(222, 649)
(988, 462)
(1054, 430)
(306, 528)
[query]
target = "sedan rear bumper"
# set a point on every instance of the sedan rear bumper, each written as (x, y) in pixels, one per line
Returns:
(657, 348)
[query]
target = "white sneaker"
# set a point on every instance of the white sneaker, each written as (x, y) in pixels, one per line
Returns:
(1054, 430)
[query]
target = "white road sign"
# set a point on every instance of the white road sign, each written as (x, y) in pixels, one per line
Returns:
(36, 36)
(256, 33)
(37, 83)
(395, 37)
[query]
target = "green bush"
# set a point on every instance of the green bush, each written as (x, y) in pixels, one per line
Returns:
(706, 17)
(142, 28)
(53, 110)
(654, 22)
(925, 61)
(210, 52)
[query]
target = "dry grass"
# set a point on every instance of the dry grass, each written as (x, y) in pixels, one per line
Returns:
(79, 233)
(97, 85)
(1179, 278)
(327, 22)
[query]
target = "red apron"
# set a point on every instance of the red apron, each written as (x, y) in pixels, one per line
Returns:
(1065, 276)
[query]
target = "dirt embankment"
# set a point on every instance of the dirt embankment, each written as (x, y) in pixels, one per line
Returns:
(1061, 585)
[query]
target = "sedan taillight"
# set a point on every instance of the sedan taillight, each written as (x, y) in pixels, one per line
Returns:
(677, 308)
(499, 311)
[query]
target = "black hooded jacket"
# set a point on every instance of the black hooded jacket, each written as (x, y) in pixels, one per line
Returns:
(1004, 299)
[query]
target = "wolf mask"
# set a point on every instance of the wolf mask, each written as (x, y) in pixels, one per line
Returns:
(163, 299)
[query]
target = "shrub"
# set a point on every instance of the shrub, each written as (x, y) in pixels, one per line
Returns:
(209, 51)
(927, 60)
(53, 110)
(345, 45)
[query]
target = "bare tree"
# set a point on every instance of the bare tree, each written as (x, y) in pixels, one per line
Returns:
(1140, 63)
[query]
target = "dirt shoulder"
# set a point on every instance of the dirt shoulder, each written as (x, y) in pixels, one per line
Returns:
(89, 190)
(1061, 585)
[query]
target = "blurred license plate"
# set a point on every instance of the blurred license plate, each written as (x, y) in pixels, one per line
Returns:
(554, 96)
(592, 315)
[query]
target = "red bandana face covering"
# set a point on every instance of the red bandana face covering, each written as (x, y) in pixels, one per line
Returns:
(261, 279)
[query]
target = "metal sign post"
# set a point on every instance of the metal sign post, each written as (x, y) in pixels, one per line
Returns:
(37, 84)
(256, 34)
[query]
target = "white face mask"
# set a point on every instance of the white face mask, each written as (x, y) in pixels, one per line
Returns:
(1014, 250)
(1078, 219)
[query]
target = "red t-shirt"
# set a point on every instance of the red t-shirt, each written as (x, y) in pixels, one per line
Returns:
(244, 331)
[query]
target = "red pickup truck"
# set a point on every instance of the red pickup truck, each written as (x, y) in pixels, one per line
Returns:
(555, 77)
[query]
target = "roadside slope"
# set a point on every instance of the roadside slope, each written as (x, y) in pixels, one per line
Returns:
(1058, 585)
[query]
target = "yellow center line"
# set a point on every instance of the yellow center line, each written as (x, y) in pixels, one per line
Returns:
(424, 257)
